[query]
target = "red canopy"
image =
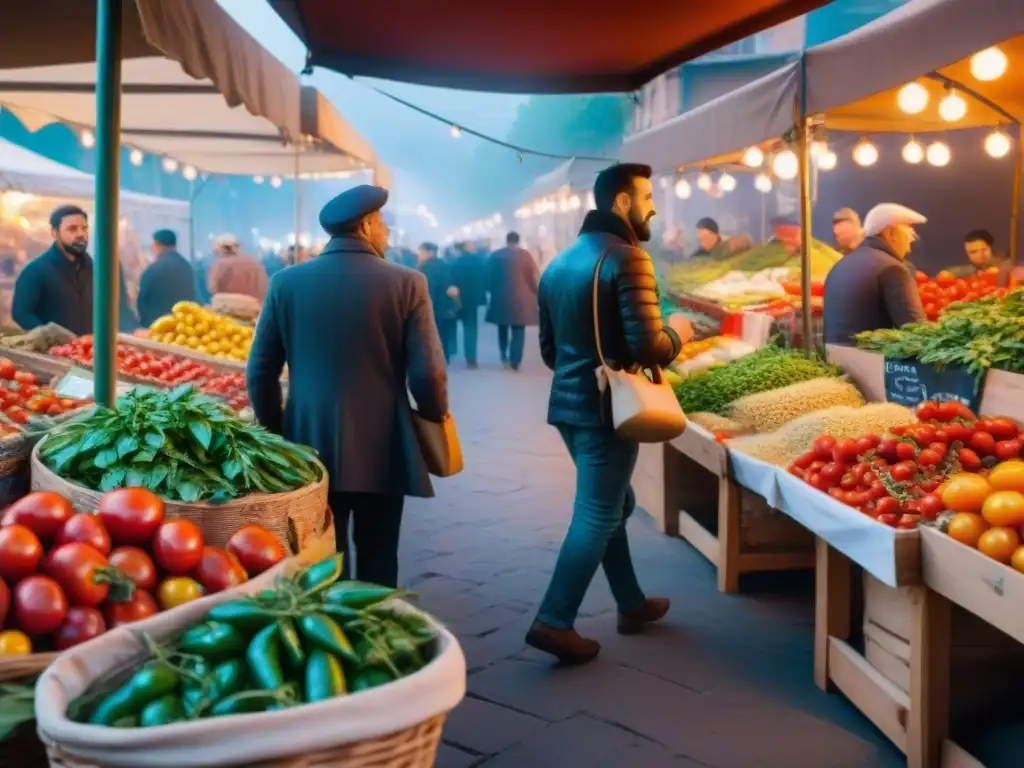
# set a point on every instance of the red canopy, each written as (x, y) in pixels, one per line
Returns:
(524, 46)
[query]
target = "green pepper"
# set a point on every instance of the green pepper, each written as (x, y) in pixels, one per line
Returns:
(191, 698)
(322, 574)
(229, 677)
(198, 667)
(244, 614)
(370, 677)
(325, 677)
(117, 705)
(323, 633)
(151, 682)
(213, 640)
(163, 711)
(372, 654)
(404, 652)
(243, 702)
(340, 613)
(290, 642)
(129, 721)
(264, 657)
(357, 594)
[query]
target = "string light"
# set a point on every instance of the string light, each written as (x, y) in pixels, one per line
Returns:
(258, 179)
(663, 182)
(913, 151)
(135, 157)
(938, 154)
(456, 131)
(952, 107)
(727, 182)
(170, 164)
(275, 181)
(826, 160)
(704, 181)
(683, 189)
(189, 172)
(753, 157)
(865, 153)
(997, 144)
(763, 183)
(87, 139)
(912, 98)
(786, 165)
(989, 64)
(574, 203)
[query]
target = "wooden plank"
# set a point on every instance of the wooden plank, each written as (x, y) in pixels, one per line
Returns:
(700, 537)
(701, 447)
(649, 486)
(878, 699)
(955, 756)
(728, 536)
(908, 558)
(222, 366)
(758, 562)
(833, 595)
(930, 662)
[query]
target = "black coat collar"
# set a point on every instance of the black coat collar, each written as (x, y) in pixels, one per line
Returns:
(608, 223)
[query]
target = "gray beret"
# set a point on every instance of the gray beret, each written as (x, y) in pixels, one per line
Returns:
(344, 211)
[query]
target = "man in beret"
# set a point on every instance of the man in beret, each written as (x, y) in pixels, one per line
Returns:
(358, 335)
(708, 236)
(168, 280)
(56, 286)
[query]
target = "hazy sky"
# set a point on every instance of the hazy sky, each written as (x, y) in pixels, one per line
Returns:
(416, 147)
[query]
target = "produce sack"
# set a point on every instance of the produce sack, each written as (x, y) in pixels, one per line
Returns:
(248, 739)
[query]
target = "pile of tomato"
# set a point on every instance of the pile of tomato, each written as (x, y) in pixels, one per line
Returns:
(21, 397)
(66, 577)
(230, 387)
(945, 288)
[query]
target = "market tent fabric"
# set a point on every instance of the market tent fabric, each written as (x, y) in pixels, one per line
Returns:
(577, 173)
(854, 79)
(196, 87)
(714, 133)
(529, 46)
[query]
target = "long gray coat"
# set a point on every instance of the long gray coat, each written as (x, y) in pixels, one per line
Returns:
(355, 331)
(512, 277)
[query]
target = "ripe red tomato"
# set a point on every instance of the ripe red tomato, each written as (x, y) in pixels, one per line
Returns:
(141, 606)
(908, 521)
(983, 444)
(927, 410)
(803, 462)
(258, 550)
(88, 529)
(136, 565)
(5, 601)
(903, 471)
(178, 546)
(20, 552)
(844, 451)
(1007, 449)
(7, 369)
(891, 519)
(80, 624)
(219, 570)
(867, 443)
(39, 605)
(74, 567)
(1003, 429)
(947, 411)
(887, 449)
(930, 506)
(44, 512)
(929, 458)
(905, 452)
(822, 447)
(131, 515)
(886, 505)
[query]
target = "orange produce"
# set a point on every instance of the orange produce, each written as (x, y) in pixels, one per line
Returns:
(966, 492)
(1008, 476)
(967, 527)
(1017, 559)
(1004, 508)
(999, 543)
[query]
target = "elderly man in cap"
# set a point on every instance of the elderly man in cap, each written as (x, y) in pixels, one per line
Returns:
(873, 287)
(234, 272)
(847, 231)
(168, 280)
(358, 335)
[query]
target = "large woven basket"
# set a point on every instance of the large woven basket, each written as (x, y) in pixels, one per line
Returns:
(300, 518)
(23, 749)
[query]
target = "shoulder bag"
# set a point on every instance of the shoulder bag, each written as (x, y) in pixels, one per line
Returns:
(439, 444)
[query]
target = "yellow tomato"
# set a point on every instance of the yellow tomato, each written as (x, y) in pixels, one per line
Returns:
(178, 590)
(185, 307)
(14, 643)
(180, 339)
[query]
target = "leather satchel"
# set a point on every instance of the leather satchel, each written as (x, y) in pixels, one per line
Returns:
(439, 444)
(644, 410)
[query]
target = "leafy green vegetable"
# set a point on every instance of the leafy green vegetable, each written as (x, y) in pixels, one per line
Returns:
(182, 445)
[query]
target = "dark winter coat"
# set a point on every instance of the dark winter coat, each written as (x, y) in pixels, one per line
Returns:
(165, 282)
(469, 271)
(512, 281)
(439, 280)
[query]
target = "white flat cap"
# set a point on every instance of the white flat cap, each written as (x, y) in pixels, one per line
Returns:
(226, 240)
(889, 214)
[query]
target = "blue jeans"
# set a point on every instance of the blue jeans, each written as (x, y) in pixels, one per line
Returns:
(513, 354)
(470, 317)
(597, 533)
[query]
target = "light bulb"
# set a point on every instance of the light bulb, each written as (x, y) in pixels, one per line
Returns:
(275, 181)
(818, 148)
(683, 189)
(727, 182)
(786, 165)
(865, 153)
(952, 107)
(997, 144)
(912, 98)
(574, 203)
(189, 172)
(989, 64)
(763, 183)
(938, 154)
(753, 157)
(826, 161)
(87, 138)
(663, 182)
(704, 181)
(456, 131)
(136, 157)
(913, 152)
(170, 164)
(258, 179)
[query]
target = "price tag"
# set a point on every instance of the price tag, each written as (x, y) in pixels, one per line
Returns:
(909, 382)
(78, 383)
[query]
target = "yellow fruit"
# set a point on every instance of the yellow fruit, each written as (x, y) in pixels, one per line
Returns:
(180, 339)
(967, 528)
(1008, 476)
(966, 492)
(178, 591)
(14, 643)
(185, 307)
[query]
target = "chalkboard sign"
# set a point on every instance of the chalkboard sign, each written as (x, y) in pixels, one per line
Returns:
(909, 382)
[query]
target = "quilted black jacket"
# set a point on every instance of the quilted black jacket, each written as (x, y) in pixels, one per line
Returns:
(632, 331)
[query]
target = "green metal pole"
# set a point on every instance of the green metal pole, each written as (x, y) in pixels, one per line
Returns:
(106, 291)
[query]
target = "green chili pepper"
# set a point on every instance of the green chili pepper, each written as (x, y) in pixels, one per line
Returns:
(404, 652)
(230, 677)
(243, 702)
(129, 721)
(325, 677)
(244, 614)
(417, 627)
(371, 654)
(163, 711)
(340, 613)
(191, 699)
(213, 640)
(370, 677)
(117, 705)
(264, 657)
(199, 668)
(323, 633)
(357, 594)
(322, 574)
(149, 683)
(290, 642)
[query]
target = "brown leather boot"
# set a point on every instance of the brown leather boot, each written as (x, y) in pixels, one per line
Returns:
(652, 609)
(566, 645)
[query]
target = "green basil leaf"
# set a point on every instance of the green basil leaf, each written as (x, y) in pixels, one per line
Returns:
(106, 458)
(112, 479)
(126, 444)
(155, 440)
(231, 468)
(62, 458)
(97, 439)
(220, 497)
(156, 476)
(202, 432)
(135, 479)
(143, 457)
(188, 492)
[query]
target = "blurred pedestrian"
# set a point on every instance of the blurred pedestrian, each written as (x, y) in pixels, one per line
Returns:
(166, 281)
(357, 335)
(444, 296)
(847, 231)
(470, 275)
(512, 276)
(234, 272)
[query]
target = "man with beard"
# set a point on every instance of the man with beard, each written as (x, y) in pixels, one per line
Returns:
(56, 287)
(632, 332)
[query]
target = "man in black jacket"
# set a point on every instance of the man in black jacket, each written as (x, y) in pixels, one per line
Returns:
(632, 332)
(444, 296)
(168, 280)
(469, 271)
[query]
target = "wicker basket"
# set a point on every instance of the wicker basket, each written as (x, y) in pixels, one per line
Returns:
(23, 749)
(300, 518)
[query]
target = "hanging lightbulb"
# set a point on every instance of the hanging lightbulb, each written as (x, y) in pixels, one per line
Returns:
(663, 182)
(727, 182)
(913, 151)
(786, 165)
(189, 172)
(912, 98)
(258, 179)
(704, 181)
(753, 157)
(763, 183)
(989, 64)
(827, 160)
(275, 181)
(997, 144)
(952, 107)
(170, 164)
(456, 132)
(818, 147)
(865, 153)
(574, 204)
(938, 154)
(87, 139)
(683, 190)
(136, 157)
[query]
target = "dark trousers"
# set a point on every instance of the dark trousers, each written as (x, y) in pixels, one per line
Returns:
(376, 520)
(470, 318)
(512, 353)
(448, 331)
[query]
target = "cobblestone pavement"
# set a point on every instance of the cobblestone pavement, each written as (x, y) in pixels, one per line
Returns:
(724, 681)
